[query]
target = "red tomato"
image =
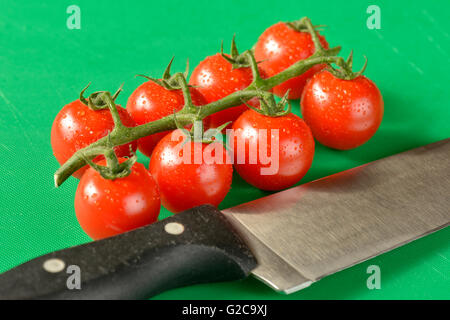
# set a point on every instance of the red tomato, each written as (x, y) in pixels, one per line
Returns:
(294, 148)
(185, 183)
(150, 102)
(76, 126)
(278, 48)
(342, 114)
(215, 78)
(108, 207)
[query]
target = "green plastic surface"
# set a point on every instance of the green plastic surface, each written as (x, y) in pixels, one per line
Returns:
(44, 65)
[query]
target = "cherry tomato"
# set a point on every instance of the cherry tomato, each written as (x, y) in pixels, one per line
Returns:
(184, 182)
(342, 114)
(278, 48)
(76, 126)
(108, 207)
(215, 78)
(279, 160)
(150, 102)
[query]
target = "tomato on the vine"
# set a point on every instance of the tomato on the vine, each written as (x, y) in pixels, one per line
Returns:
(150, 102)
(108, 207)
(185, 182)
(216, 78)
(77, 126)
(280, 158)
(280, 46)
(342, 114)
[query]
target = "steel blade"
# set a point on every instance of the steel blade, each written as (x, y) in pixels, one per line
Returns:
(303, 234)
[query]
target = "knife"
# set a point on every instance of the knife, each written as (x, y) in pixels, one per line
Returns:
(288, 240)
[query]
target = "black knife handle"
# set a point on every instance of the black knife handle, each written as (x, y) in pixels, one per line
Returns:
(138, 264)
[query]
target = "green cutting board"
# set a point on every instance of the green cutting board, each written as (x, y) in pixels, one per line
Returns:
(44, 65)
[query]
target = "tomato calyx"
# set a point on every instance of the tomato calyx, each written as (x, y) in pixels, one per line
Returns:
(301, 26)
(237, 60)
(104, 100)
(113, 169)
(177, 82)
(269, 107)
(167, 80)
(96, 100)
(344, 70)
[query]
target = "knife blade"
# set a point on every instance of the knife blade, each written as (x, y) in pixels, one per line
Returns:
(305, 233)
(288, 240)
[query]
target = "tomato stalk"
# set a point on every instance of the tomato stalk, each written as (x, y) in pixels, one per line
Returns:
(123, 135)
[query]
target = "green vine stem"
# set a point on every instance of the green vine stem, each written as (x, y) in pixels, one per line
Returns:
(188, 114)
